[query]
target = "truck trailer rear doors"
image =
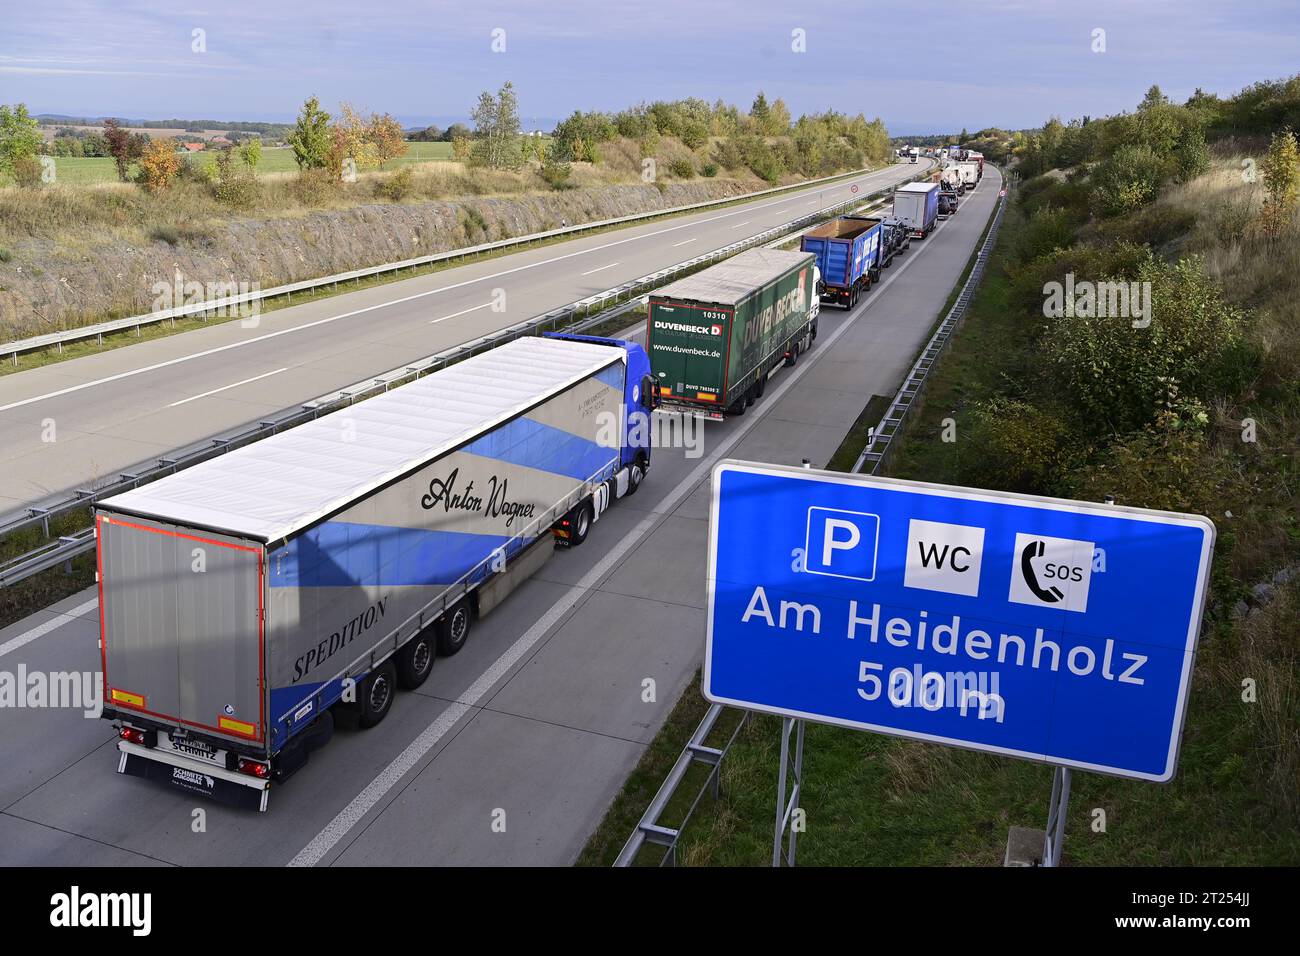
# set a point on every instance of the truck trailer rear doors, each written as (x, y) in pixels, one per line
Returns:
(182, 625)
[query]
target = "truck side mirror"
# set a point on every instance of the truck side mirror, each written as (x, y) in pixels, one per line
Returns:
(649, 393)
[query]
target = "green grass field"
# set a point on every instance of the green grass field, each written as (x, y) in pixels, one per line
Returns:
(100, 169)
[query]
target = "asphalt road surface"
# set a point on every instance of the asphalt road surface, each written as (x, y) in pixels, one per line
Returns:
(116, 409)
(540, 718)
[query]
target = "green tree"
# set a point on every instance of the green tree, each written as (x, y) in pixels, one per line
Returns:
(20, 137)
(496, 128)
(1281, 169)
(251, 152)
(311, 138)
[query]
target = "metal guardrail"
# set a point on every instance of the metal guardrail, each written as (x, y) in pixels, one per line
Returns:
(649, 829)
(227, 303)
(880, 445)
(576, 316)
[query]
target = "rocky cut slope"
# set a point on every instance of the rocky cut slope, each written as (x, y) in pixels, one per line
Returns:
(47, 284)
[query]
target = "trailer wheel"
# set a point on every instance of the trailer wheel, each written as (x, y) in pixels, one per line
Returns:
(453, 629)
(375, 695)
(415, 660)
(793, 356)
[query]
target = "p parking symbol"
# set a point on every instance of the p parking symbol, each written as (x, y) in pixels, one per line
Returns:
(842, 544)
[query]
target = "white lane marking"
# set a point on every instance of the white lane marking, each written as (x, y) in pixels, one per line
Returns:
(417, 749)
(600, 268)
(682, 243)
(461, 312)
(741, 224)
(214, 391)
(384, 305)
(40, 630)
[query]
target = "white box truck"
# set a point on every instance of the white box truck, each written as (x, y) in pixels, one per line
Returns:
(970, 173)
(246, 600)
(918, 203)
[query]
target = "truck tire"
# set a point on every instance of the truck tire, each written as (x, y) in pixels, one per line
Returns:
(453, 629)
(737, 407)
(793, 357)
(415, 659)
(635, 475)
(375, 695)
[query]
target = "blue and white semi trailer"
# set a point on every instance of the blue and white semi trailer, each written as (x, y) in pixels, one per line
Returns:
(246, 601)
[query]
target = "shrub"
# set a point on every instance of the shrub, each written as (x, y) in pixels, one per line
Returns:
(315, 187)
(556, 170)
(27, 172)
(1045, 231)
(709, 170)
(235, 185)
(682, 168)
(1169, 469)
(1127, 180)
(396, 187)
(159, 165)
(1121, 376)
(1018, 447)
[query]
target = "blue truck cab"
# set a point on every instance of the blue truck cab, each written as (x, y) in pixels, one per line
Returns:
(639, 401)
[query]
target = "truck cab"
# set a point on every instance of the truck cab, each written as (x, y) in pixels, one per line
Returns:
(640, 398)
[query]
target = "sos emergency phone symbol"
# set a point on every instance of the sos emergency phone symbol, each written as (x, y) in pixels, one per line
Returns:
(1051, 572)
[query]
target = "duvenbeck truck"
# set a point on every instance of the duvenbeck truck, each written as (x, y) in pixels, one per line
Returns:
(246, 601)
(716, 336)
(919, 204)
(848, 253)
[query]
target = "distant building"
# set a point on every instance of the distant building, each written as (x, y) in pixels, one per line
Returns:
(194, 147)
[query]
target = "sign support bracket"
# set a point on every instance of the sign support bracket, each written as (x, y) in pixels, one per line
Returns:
(785, 808)
(1054, 835)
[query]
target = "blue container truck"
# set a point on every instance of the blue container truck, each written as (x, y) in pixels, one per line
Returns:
(848, 256)
(918, 203)
(246, 601)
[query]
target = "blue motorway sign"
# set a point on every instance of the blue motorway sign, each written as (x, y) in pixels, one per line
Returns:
(1050, 630)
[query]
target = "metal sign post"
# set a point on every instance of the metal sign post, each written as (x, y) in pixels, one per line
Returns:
(785, 808)
(1054, 835)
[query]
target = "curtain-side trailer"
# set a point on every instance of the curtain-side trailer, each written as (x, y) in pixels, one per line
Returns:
(248, 599)
(848, 251)
(716, 336)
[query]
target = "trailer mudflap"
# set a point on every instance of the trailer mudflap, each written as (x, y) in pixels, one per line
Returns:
(194, 777)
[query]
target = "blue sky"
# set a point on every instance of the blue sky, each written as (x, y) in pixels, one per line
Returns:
(927, 65)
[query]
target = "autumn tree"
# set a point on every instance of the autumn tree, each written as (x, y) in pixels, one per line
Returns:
(122, 146)
(159, 165)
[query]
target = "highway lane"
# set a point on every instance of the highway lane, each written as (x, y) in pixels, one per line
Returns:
(541, 716)
(110, 411)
